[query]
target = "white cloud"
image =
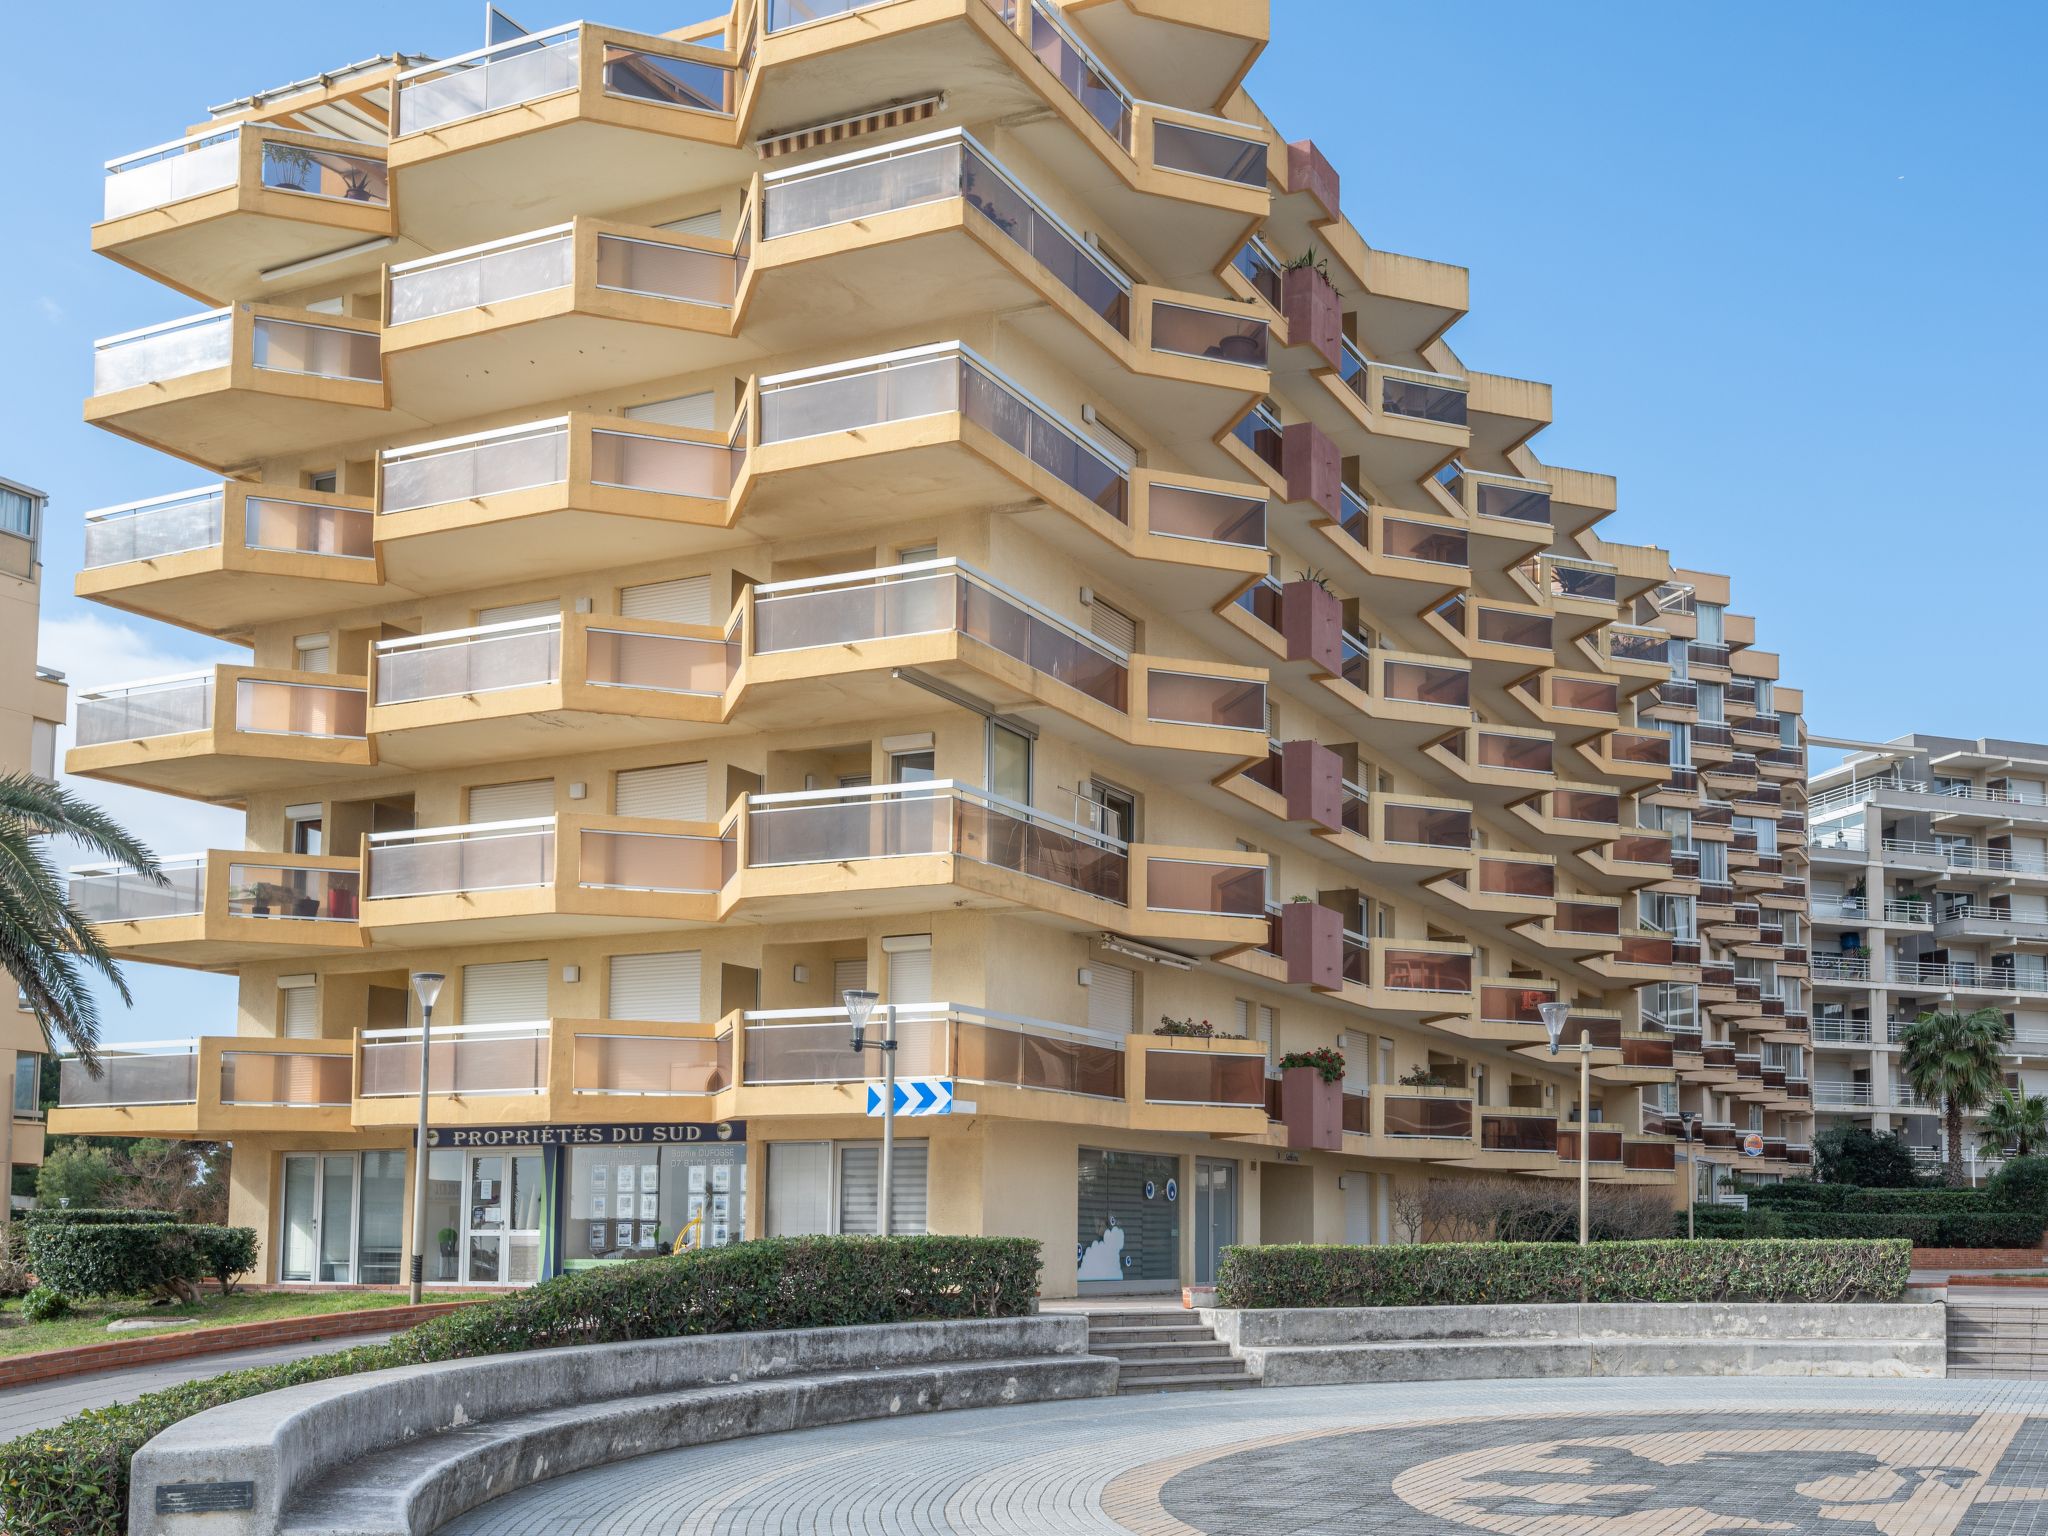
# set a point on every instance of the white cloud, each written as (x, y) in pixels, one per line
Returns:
(54, 312)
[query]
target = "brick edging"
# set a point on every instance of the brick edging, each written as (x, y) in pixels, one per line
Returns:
(47, 1364)
(1977, 1258)
(2001, 1282)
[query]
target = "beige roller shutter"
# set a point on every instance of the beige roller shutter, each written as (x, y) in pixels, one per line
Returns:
(298, 1011)
(505, 992)
(1110, 997)
(512, 802)
(910, 976)
(668, 987)
(1112, 625)
(508, 613)
(860, 1180)
(849, 976)
(673, 792)
(686, 600)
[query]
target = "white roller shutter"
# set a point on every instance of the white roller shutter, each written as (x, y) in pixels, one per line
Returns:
(683, 411)
(799, 1188)
(849, 976)
(1109, 997)
(512, 802)
(668, 987)
(686, 600)
(706, 225)
(509, 613)
(506, 992)
(673, 792)
(860, 1179)
(298, 1009)
(1112, 625)
(910, 976)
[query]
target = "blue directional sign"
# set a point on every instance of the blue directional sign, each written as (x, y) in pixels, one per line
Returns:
(915, 1096)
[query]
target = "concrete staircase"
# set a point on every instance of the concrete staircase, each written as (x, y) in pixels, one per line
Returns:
(1996, 1339)
(1159, 1350)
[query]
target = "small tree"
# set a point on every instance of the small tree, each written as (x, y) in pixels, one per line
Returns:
(2012, 1121)
(1951, 1059)
(76, 1175)
(1854, 1154)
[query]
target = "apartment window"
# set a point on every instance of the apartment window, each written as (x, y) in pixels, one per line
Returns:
(820, 1186)
(42, 750)
(17, 513)
(706, 225)
(1386, 1062)
(1255, 1021)
(1115, 811)
(28, 1085)
(919, 767)
(1009, 762)
(665, 987)
(686, 600)
(523, 801)
(917, 554)
(908, 957)
(303, 829)
(1112, 625)
(1714, 863)
(672, 792)
(298, 1008)
(311, 653)
(1112, 1000)
(505, 992)
(1712, 631)
(326, 480)
(1788, 730)
(1713, 701)
(1766, 696)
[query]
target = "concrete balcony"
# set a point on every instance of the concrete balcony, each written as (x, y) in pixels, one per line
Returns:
(233, 386)
(1499, 765)
(573, 120)
(1423, 980)
(211, 214)
(217, 735)
(223, 908)
(1397, 555)
(1504, 641)
(1410, 696)
(1509, 515)
(1182, 50)
(1407, 418)
(208, 1087)
(228, 557)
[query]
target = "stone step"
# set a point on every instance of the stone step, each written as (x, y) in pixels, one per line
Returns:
(1156, 1335)
(1142, 1316)
(1147, 1370)
(1130, 1382)
(1192, 1349)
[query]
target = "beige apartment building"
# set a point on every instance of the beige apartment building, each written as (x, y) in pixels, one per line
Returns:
(1930, 892)
(933, 496)
(32, 702)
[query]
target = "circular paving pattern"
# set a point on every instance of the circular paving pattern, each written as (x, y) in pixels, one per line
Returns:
(1651, 1457)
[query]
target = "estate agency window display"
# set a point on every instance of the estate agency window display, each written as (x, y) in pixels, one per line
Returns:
(630, 1201)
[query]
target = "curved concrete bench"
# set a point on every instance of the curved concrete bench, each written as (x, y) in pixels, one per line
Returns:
(1321, 1345)
(401, 1452)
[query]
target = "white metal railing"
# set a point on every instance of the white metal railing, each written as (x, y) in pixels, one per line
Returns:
(473, 1060)
(482, 274)
(158, 706)
(1970, 976)
(486, 658)
(1840, 967)
(1961, 855)
(210, 161)
(484, 856)
(502, 75)
(114, 893)
(155, 353)
(149, 529)
(474, 465)
(139, 1072)
(1837, 839)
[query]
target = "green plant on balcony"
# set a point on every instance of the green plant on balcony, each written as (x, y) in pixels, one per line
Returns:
(1326, 1063)
(1312, 260)
(287, 166)
(1188, 1029)
(1421, 1077)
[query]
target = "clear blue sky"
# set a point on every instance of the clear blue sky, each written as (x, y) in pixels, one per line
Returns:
(1782, 263)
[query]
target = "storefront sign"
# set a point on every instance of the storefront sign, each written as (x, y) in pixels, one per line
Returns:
(481, 1137)
(1753, 1145)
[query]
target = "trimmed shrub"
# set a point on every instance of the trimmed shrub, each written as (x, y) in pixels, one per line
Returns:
(2021, 1185)
(1923, 1227)
(44, 1303)
(73, 1478)
(1803, 1196)
(225, 1253)
(1476, 1274)
(161, 1258)
(91, 1216)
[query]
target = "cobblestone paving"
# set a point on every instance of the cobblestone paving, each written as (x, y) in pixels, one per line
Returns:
(1652, 1457)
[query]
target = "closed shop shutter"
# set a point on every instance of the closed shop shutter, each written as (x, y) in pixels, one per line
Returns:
(507, 992)
(860, 1177)
(667, 987)
(707, 225)
(910, 975)
(849, 976)
(673, 792)
(686, 600)
(1112, 625)
(512, 802)
(508, 613)
(799, 1188)
(1109, 998)
(299, 1009)
(683, 411)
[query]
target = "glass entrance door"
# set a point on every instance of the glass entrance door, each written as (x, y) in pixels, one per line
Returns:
(317, 1241)
(1215, 1215)
(502, 1237)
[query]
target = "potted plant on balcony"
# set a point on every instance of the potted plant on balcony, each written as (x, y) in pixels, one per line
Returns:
(1313, 307)
(285, 166)
(1312, 1098)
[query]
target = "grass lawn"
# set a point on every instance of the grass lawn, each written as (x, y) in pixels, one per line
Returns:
(87, 1323)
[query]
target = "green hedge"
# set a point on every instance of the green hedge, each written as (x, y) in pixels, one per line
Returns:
(74, 1478)
(160, 1258)
(1960, 1227)
(2021, 1185)
(1473, 1274)
(90, 1216)
(1803, 1195)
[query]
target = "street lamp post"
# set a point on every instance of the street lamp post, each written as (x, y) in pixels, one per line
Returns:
(1692, 1183)
(426, 986)
(859, 1005)
(1554, 1017)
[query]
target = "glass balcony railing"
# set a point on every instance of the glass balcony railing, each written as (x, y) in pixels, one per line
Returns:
(1518, 1133)
(484, 274)
(1649, 748)
(1595, 919)
(149, 530)
(438, 861)
(260, 1079)
(1211, 153)
(468, 468)
(628, 859)
(1258, 266)
(309, 164)
(1209, 1078)
(317, 351)
(1201, 888)
(1510, 626)
(1187, 331)
(312, 894)
(1211, 517)
(1506, 497)
(1415, 393)
(1399, 538)
(113, 893)
(1425, 970)
(934, 597)
(658, 663)
(1598, 807)
(474, 1060)
(166, 706)
(1516, 754)
(1194, 698)
(1420, 1117)
(549, 63)
(159, 353)
(1582, 580)
(1512, 1003)
(892, 821)
(650, 1066)
(1642, 645)
(1424, 826)
(1587, 695)
(808, 1045)
(1259, 430)
(931, 381)
(933, 169)
(1089, 81)
(1525, 878)
(489, 658)
(158, 1072)
(268, 707)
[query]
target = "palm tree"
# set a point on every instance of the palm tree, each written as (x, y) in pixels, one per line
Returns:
(2012, 1121)
(1951, 1059)
(46, 945)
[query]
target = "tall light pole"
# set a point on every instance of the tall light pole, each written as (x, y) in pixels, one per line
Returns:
(426, 986)
(1554, 1018)
(1692, 1183)
(859, 1005)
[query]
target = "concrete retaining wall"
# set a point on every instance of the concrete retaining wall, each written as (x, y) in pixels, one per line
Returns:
(1309, 1346)
(400, 1452)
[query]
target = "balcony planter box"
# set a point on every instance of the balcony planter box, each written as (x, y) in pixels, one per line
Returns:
(1308, 171)
(1312, 624)
(1315, 470)
(1312, 782)
(1312, 943)
(1315, 315)
(1312, 1110)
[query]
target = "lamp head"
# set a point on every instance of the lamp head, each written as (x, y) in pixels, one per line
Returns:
(859, 1004)
(426, 986)
(1554, 1016)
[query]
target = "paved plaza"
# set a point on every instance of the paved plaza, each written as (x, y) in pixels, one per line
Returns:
(1671, 1456)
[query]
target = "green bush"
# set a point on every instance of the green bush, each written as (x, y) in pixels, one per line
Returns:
(159, 1258)
(1801, 1196)
(74, 1478)
(1855, 1154)
(2021, 1185)
(44, 1303)
(1925, 1224)
(91, 1216)
(1471, 1274)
